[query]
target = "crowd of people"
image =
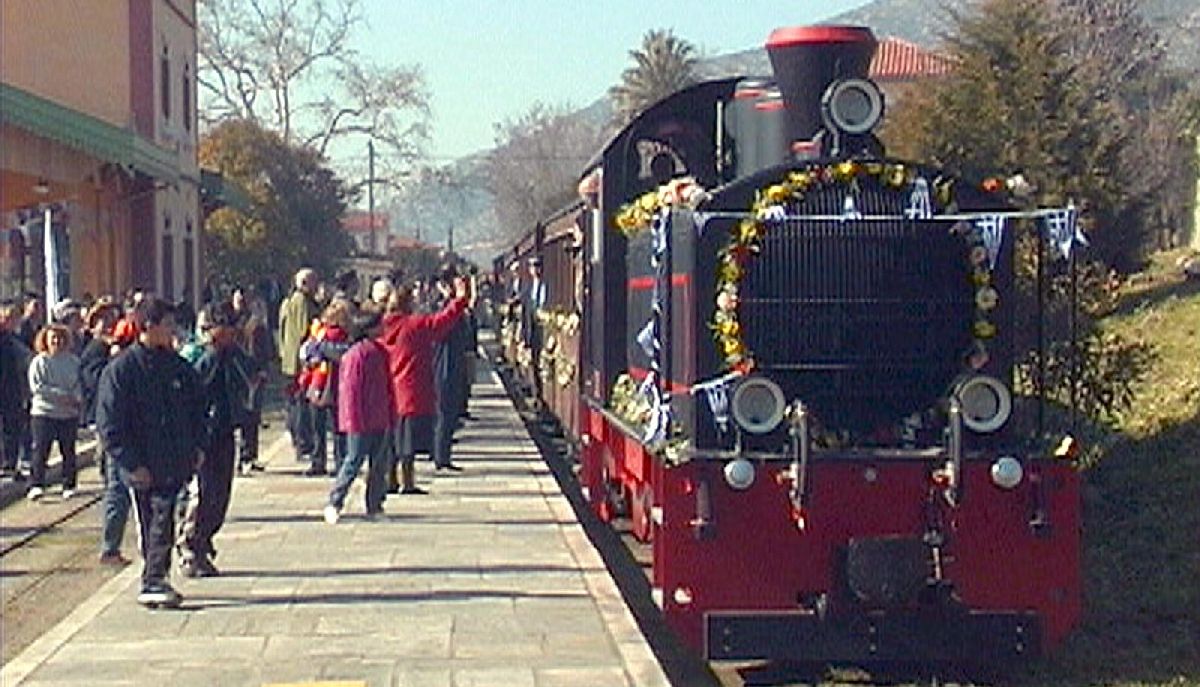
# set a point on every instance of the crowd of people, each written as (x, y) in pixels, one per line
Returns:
(176, 400)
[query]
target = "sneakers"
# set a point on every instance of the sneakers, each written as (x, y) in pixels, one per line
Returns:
(198, 566)
(449, 467)
(114, 559)
(159, 594)
(332, 515)
(247, 469)
(68, 494)
(315, 472)
(35, 493)
(413, 490)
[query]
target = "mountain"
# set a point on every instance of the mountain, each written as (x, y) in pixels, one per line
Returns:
(923, 22)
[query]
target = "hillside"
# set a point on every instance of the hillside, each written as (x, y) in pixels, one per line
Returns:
(1141, 512)
(925, 21)
(919, 21)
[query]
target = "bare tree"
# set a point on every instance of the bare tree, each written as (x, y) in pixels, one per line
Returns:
(536, 164)
(263, 60)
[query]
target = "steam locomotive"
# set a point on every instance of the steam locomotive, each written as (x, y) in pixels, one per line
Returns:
(792, 363)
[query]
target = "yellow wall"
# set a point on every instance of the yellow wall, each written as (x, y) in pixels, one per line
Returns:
(74, 52)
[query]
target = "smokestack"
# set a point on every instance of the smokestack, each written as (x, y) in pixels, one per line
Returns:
(806, 59)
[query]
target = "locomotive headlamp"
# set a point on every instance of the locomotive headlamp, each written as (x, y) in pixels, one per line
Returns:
(758, 405)
(852, 106)
(986, 403)
(739, 474)
(1007, 472)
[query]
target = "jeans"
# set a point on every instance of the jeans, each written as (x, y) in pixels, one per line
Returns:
(300, 424)
(361, 447)
(45, 431)
(324, 418)
(116, 507)
(156, 522)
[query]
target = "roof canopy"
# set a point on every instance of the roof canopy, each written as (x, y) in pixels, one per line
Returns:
(86, 133)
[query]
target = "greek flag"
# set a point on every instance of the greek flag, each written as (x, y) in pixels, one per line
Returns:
(1063, 229)
(919, 204)
(849, 209)
(716, 392)
(991, 229)
(647, 341)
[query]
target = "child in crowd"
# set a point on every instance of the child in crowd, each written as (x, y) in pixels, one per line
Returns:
(365, 414)
(328, 339)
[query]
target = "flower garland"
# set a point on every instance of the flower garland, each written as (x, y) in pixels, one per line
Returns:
(986, 296)
(557, 324)
(635, 217)
(746, 241)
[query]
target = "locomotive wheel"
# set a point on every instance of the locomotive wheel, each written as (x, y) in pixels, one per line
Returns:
(608, 501)
(640, 504)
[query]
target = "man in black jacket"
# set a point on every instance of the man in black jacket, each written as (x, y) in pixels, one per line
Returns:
(226, 374)
(148, 416)
(14, 390)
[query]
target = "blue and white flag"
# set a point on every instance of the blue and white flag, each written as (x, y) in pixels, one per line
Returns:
(991, 230)
(716, 392)
(849, 209)
(1063, 229)
(919, 204)
(772, 214)
(50, 256)
(647, 340)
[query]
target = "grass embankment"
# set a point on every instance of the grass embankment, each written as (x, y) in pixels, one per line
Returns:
(1142, 508)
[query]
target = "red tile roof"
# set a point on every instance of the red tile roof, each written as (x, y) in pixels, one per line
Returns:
(900, 60)
(357, 221)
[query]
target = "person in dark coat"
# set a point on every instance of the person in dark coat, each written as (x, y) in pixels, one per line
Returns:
(226, 375)
(100, 351)
(149, 418)
(14, 389)
(256, 340)
(96, 354)
(449, 379)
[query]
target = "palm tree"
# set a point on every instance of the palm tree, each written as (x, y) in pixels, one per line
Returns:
(663, 65)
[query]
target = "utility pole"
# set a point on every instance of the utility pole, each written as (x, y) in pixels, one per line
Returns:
(371, 194)
(450, 239)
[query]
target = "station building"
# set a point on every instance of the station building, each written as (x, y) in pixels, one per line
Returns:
(98, 134)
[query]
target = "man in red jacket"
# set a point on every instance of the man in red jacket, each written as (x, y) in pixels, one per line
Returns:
(412, 339)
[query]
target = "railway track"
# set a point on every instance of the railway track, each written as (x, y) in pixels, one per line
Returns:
(14, 493)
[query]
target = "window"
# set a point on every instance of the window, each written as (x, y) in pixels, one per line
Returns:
(186, 114)
(164, 80)
(168, 261)
(168, 267)
(189, 270)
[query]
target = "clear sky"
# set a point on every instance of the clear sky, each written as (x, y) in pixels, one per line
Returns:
(488, 60)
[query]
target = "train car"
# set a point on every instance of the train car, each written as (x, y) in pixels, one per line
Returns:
(797, 367)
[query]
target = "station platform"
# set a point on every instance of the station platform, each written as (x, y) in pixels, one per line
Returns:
(488, 580)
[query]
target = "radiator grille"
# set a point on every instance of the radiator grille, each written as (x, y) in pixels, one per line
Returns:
(866, 322)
